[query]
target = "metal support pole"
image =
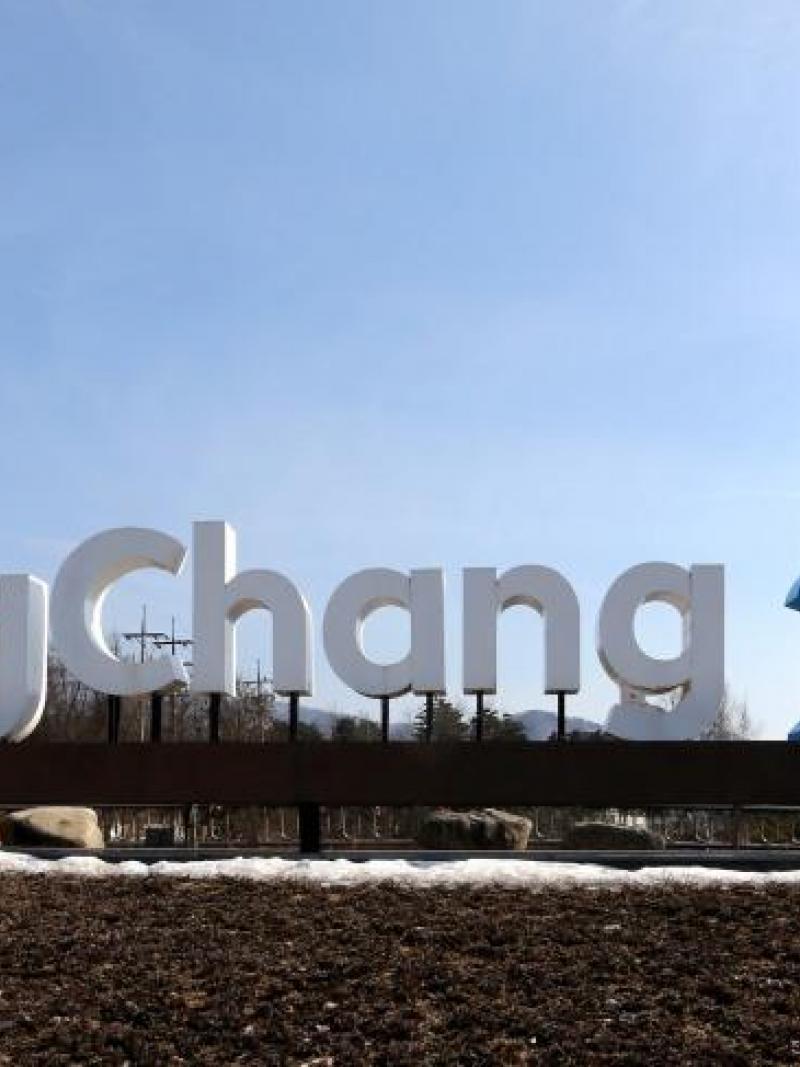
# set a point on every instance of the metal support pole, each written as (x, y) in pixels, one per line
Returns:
(384, 719)
(310, 827)
(294, 715)
(561, 732)
(214, 707)
(429, 717)
(155, 716)
(479, 716)
(114, 714)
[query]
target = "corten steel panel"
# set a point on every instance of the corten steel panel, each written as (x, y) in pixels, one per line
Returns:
(635, 774)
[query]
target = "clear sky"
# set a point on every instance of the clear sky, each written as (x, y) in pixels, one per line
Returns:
(411, 284)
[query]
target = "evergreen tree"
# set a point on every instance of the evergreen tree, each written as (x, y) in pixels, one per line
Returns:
(501, 727)
(354, 728)
(306, 731)
(449, 722)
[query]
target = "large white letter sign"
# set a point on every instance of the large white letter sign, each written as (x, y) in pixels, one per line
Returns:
(23, 654)
(221, 597)
(699, 670)
(422, 594)
(78, 594)
(540, 588)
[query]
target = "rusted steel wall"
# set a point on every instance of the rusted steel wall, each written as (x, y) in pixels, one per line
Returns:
(585, 774)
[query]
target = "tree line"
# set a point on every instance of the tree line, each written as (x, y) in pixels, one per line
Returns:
(74, 712)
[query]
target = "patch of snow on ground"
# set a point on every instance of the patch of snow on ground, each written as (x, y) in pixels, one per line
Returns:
(416, 873)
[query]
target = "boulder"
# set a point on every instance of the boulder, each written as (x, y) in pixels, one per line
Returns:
(610, 836)
(56, 827)
(487, 828)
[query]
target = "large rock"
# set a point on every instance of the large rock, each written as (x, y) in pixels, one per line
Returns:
(488, 828)
(608, 835)
(57, 827)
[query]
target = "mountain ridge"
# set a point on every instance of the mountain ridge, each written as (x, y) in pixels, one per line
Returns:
(538, 723)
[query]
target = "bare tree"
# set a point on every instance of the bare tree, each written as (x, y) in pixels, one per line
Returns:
(732, 721)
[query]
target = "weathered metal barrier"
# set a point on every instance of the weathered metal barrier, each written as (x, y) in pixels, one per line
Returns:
(309, 775)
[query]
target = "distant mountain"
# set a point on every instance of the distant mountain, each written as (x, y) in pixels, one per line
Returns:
(323, 720)
(401, 729)
(539, 724)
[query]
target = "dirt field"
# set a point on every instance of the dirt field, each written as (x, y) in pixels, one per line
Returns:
(165, 972)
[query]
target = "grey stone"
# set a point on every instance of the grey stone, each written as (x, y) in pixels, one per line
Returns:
(608, 835)
(57, 827)
(487, 828)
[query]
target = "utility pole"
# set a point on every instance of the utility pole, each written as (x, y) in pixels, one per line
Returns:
(258, 685)
(173, 643)
(258, 682)
(142, 636)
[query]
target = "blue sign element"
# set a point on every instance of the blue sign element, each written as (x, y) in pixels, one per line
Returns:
(793, 599)
(793, 602)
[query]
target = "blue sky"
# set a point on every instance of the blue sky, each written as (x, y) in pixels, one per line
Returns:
(409, 285)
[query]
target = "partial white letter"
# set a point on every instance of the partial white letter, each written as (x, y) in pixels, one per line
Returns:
(699, 670)
(78, 595)
(422, 595)
(220, 599)
(23, 654)
(540, 588)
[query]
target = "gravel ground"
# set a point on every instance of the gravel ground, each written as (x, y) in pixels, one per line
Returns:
(165, 971)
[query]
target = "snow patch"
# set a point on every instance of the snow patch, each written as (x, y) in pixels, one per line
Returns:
(413, 873)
